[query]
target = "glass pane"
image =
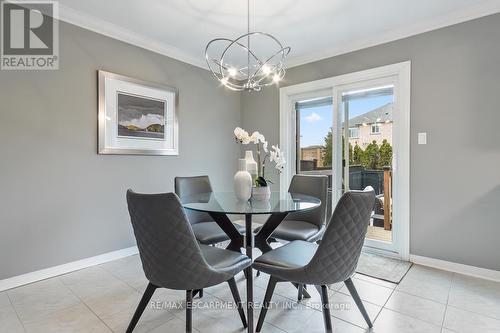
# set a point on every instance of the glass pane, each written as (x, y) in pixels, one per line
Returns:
(314, 140)
(314, 137)
(369, 158)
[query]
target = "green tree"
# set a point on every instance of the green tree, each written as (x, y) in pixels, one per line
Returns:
(371, 156)
(385, 154)
(357, 155)
(327, 154)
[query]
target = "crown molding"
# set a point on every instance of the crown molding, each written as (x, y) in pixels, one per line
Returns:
(106, 28)
(482, 9)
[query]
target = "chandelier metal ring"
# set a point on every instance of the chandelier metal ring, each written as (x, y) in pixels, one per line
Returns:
(258, 71)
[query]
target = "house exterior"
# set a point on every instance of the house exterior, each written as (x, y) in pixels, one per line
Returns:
(374, 125)
(313, 153)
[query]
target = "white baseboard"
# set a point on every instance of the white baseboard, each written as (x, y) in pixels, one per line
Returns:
(483, 273)
(46, 273)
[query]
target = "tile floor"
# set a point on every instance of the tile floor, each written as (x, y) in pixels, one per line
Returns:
(103, 299)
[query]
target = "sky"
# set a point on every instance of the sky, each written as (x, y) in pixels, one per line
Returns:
(315, 122)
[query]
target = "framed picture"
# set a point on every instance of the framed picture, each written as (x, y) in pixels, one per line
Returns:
(136, 117)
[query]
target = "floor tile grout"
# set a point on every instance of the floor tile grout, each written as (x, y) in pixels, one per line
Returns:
(86, 305)
(15, 311)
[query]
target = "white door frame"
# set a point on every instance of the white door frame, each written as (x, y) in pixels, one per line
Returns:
(401, 74)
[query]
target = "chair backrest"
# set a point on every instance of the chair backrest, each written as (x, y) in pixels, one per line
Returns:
(170, 255)
(313, 185)
(339, 250)
(186, 186)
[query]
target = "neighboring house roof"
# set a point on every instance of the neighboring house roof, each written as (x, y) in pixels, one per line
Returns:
(379, 115)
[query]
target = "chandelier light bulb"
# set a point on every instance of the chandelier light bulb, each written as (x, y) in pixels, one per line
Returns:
(266, 69)
(276, 78)
(232, 71)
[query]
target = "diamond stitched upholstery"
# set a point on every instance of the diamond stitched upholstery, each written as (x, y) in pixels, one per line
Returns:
(170, 255)
(337, 255)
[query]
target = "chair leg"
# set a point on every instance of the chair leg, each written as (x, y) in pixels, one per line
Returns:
(198, 292)
(148, 293)
(237, 300)
(357, 300)
(189, 311)
(300, 292)
(267, 299)
(325, 304)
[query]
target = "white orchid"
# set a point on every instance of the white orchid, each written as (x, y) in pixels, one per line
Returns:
(257, 138)
(275, 155)
(242, 136)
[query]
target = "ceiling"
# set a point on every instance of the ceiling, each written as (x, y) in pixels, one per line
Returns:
(313, 29)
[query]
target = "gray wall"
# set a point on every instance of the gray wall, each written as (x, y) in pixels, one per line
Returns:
(59, 200)
(455, 178)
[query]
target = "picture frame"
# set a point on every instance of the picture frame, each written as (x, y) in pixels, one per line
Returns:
(136, 117)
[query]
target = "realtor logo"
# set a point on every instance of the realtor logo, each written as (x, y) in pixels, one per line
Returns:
(30, 35)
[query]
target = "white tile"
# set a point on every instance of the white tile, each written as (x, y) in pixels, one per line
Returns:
(151, 318)
(475, 295)
(4, 300)
(287, 314)
(110, 303)
(175, 325)
(467, 322)
(315, 324)
(128, 270)
(92, 281)
(424, 272)
(417, 307)
(428, 283)
(211, 315)
(76, 319)
(369, 292)
(9, 322)
(393, 322)
(39, 299)
(343, 307)
(379, 282)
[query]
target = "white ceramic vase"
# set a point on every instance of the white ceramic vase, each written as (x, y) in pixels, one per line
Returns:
(242, 181)
(261, 193)
(251, 165)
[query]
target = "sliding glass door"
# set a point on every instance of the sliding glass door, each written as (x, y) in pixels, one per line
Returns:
(366, 113)
(355, 129)
(348, 134)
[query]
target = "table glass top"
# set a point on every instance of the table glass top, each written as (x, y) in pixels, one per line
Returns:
(226, 202)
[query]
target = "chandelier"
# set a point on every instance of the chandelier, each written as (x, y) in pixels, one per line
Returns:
(239, 67)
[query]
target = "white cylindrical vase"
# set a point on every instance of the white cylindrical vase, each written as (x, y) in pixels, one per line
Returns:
(252, 167)
(242, 181)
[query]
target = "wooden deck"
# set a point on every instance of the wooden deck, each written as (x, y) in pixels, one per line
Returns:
(379, 233)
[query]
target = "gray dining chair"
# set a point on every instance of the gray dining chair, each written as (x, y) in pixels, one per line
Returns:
(171, 256)
(306, 225)
(206, 230)
(333, 260)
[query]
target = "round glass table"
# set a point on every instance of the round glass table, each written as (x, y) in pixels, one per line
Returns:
(219, 204)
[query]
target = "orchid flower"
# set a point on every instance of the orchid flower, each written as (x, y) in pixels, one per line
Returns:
(274, 154)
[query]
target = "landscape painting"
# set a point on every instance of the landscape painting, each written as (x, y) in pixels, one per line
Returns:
(136, 117)
(140, 117)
